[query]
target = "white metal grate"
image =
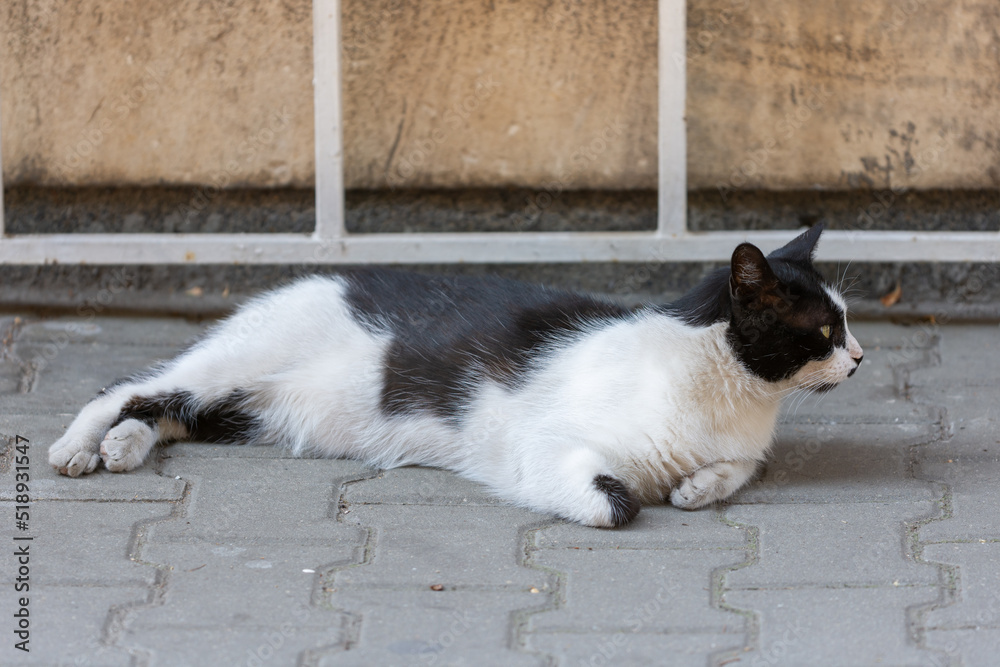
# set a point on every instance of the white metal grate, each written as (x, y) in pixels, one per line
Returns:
(331, 244)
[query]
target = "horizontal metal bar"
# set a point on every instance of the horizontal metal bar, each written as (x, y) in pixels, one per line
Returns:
(480, 247)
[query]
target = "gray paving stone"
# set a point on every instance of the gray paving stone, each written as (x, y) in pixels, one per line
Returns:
(841, 463)
(964, 380)
(970, 648)
(835, 626)
(262, 499)
(484, 546)
(831, 544)
(640, 649)
(977, 434)
(415, 485)
(139, 485)
(10, 378)
(964, 351)
(111, 330)
(613, 590)
(67, 625)
(10, 373)
(850, 455)
(68, 377)
(41, 430)
(656, 527)
(433, 628)
(252, 585)
(200, 450)
(975, 496)
(972, 413)
(98, 554)
(281, 644)
(978, 604)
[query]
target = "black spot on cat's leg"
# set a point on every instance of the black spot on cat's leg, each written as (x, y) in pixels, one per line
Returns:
(624, 505)
(222, 420)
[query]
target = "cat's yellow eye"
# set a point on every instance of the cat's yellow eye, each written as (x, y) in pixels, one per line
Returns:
(825, 330)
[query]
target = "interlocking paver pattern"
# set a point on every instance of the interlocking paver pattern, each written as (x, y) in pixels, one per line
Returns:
(871, 538)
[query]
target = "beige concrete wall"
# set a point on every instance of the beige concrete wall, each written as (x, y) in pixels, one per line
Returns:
(781, 94)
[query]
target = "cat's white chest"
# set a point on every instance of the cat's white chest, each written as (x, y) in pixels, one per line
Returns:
(663, 399)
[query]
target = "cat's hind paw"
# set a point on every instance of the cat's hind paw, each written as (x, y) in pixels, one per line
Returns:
(126, 446)
(74, 456)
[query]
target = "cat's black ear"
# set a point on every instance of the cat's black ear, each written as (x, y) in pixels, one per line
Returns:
(750, 275)
(802, 248)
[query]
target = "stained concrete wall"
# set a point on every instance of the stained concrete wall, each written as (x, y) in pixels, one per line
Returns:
(781, 95)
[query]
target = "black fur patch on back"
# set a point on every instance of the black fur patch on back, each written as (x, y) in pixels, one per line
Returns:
(707, 303)
(450, 333)
(624, 505)
(225, 420)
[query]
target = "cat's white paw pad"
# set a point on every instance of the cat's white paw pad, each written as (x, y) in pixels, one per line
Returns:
(125, 446)
(74, 457)
(687, 495)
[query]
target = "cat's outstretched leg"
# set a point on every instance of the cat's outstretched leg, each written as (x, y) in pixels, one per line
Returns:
(710, 483)
(78, 451)
(121, 428)
(582, 487)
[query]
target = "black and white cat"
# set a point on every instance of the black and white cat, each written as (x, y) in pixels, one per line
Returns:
(563, 403)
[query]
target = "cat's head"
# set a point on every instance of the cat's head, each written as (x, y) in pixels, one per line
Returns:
(787, 323)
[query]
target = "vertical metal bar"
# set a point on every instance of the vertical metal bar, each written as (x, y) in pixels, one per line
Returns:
(672, 145)
(327, 114)
(1, 176)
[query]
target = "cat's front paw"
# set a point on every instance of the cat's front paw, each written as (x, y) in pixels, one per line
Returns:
(687, 495)
(126, 446)
(74, 455)
(716, 481)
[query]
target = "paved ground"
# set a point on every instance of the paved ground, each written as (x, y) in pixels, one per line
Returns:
(872, 538)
